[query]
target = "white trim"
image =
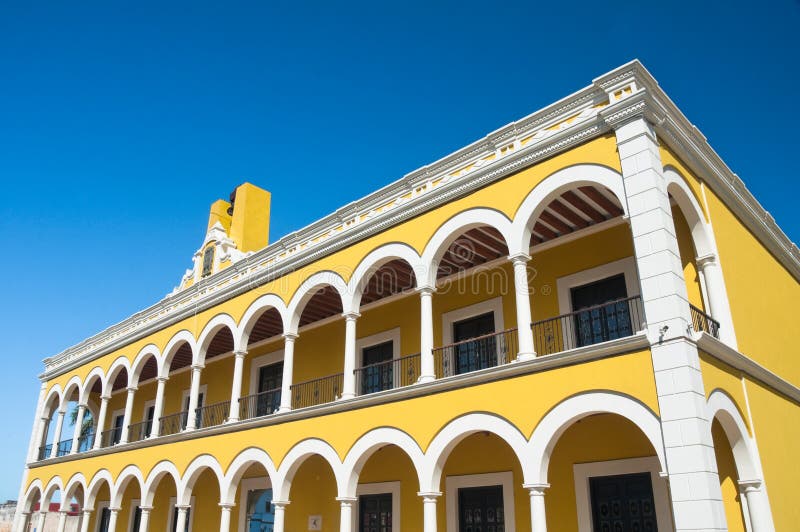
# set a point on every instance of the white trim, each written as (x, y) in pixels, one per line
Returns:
(649, 464)
(245, 487)
(99, 512)
(171, 512)
(376, 488)
(134, 504)
(454, 483)
(626, 266)
(494, 305)
(257, 363)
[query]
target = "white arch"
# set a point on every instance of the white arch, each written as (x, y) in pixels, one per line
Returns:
(54, 485)
(722, 408)
(373, 261)
(217, 323)
(452, 229)
(77, 480)
(695, 217)
(366, 446)
(130, 472)
(308, 289)
(88, 383)
(172, 347)
(94, 487)
(74, 383)
(562, 416)
(154, 478)
(553, 185)
(456, 431)
(55, 390)
(27, 503)
(295, 458)
(150, 350)
(254, 311)
(117, 366)
(238, 467)
(195, 469)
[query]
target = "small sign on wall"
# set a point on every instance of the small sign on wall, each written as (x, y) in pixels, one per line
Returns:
(315, 522)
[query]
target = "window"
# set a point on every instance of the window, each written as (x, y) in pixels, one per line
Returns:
(198, 415)
(105, 517)
(208, 260)
(116, 436)
(270, 378)
(375, 513)
(607, 315)
(260, 512)
(150, 412)
(623, 502)
(481, 509)
(377, 374)
(479, 354)
(137, 517)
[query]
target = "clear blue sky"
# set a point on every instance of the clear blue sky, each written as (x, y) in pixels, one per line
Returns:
(122, 121)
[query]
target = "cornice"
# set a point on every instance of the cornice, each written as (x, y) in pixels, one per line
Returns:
(622, 94)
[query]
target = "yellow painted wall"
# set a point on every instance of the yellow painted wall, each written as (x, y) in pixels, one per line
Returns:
(726, 466)
(762, 293)
(688, 254)
(719, 376)
(776, 424)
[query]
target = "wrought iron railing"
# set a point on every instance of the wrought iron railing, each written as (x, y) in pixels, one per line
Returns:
(139, 431)
(592, 325)
(110, 437)
(212, 415)
(394, 373)
(44, 451)
(259, 404)
(172, 424)
(317, 391)
(86, 441)
(702, 322)
(64, 447)
(482, 352)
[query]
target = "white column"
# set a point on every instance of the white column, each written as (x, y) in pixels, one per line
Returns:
(527, 350)
(101, 422)
(37, 431)
(429, 510)
(85, 518)
(757, 506)
(144, 520)
(126, 420)
(236, 388)
(78, 426)
(194, 394)
(538, 517)
(180, 521)
(716, 299)
(57, 433)
(225, 517)
(42, 434)
(427, 370)
(62, 521)
(349, 378)
(40, 524)
(346, 513)
(22, 523)
(288, 370)
(158, 411)
(280, 515)
(694, 484)
(112, 519)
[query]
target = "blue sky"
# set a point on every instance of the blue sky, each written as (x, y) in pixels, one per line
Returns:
(122, 122)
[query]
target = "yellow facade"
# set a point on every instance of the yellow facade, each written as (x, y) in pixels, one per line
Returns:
(609, 384)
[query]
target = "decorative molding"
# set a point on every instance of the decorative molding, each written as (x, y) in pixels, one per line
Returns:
(584, 115)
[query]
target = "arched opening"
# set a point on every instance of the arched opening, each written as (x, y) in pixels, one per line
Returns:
(319, 349)
(49, 422)
(98, 499)
(585, 285)
(177, 369)
(215, 353)
(144, 374)
(30, 505)
(202, 494)
(263, 366)
(160, 493)
(615, 479)
(252, 492)
(92, 398)
(127, 497)
(72, 396)
(116, 388)
(729, 479)
(313, 482)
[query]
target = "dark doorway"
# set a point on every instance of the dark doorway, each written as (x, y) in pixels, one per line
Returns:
(480, 353)
(377, 375)
(375, 513)
(269, 389)
(602, 311)
(481, 509)
(623, 503)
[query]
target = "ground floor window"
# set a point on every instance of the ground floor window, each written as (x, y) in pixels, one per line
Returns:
(481, 509)
(623, 503)
(375, 513)
(105, 517)
(260, 512)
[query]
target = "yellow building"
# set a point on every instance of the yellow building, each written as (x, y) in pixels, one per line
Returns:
(583, 321)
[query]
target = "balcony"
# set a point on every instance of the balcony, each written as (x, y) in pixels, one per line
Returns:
(474, 354)
(317, 391)
(388, 375)
(702, 322)
(259, 404)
